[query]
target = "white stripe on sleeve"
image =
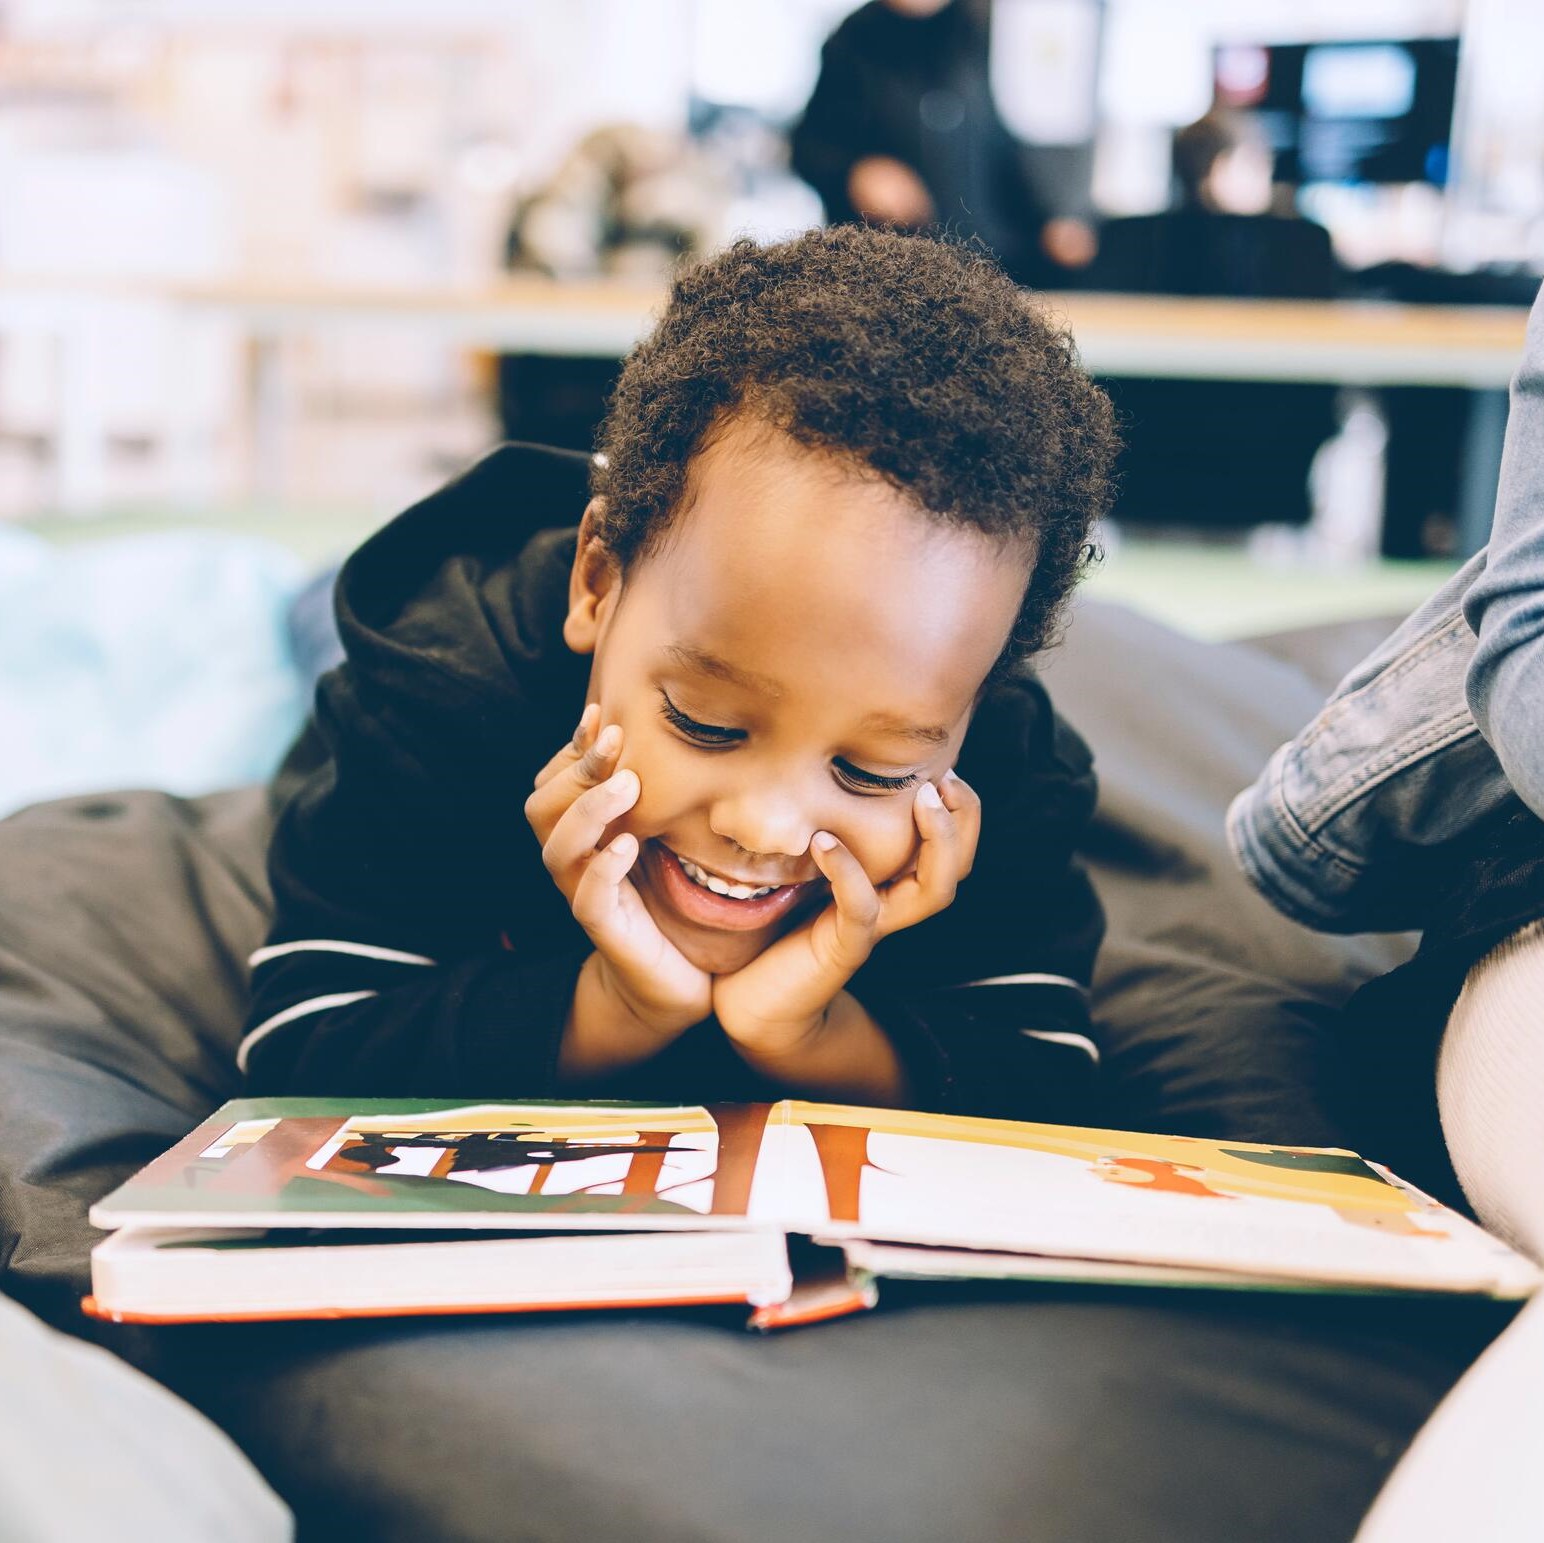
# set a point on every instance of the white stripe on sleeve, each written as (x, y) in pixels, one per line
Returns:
(299, 1010)
(1064, 1037)
(1026, 980)
(336, 946)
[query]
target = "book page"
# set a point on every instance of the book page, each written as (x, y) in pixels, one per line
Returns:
(1174, 1200)
(383, 1163)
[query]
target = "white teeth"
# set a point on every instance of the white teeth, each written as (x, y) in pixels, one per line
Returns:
(719, 886)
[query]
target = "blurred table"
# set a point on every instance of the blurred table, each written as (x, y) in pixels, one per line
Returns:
(1344, 342)
(1358, 343)
(1347, 342)
(1167, 337)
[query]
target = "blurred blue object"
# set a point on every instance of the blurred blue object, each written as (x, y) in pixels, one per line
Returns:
(159, 660)
(313, 629)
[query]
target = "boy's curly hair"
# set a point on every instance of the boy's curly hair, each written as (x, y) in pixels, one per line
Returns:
(916, 358)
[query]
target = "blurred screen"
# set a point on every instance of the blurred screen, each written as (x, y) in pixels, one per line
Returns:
(1374, 80)
(1347, 112)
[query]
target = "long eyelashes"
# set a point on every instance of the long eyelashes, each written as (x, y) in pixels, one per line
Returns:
(712, 736)
(872, 782)
(698, 733)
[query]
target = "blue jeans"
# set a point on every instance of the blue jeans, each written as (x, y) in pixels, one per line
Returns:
(1352, 825)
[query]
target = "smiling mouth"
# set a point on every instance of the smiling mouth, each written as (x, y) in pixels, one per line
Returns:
(725, 887)
(707, 899)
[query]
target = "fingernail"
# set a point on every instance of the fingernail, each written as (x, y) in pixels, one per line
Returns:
(928, 794)
(610, 739)
(951, 775)
(625, 783)
(823, 841)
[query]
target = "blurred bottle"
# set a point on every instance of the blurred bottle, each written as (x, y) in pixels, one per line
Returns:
(1346, 485)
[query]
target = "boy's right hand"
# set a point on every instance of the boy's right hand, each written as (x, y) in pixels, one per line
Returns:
(579, 793)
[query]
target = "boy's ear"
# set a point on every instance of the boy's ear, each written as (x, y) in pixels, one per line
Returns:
(594, 586)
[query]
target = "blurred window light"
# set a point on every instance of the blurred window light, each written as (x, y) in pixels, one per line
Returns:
(490, 166)
(762, 54)
(1132, 168)
(122, 213)
(372, 17)
(1044, 63)
(1156, 64)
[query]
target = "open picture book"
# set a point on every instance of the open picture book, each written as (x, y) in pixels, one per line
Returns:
(302, 1207)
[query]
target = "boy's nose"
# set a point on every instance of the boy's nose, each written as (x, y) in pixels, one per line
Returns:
(764, 822)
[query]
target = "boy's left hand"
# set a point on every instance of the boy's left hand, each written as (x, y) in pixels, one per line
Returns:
(778, 1004)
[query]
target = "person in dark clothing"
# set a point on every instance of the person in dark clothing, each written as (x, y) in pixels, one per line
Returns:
(845, 489)
(901, 130)
(1222, 238)
(1203, 452)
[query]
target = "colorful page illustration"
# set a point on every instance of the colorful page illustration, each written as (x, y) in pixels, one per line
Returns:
(314, 1162)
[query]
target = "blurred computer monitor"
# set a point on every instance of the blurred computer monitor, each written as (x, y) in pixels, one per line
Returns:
(1358, 112)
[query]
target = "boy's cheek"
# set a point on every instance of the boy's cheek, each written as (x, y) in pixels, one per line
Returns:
(889, 854)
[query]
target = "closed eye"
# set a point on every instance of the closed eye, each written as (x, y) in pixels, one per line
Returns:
(714, 736)
(707, 734)
(859, 781)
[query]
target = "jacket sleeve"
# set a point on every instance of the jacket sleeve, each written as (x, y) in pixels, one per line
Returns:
(1505, 605)
(988, 1002)
(1348, 823)
(831, 135)
(394, 867)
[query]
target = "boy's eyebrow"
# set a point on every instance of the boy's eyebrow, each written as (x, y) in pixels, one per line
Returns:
(704, 663)
(925, 733)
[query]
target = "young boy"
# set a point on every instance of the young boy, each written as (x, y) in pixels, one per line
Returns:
(844, 488)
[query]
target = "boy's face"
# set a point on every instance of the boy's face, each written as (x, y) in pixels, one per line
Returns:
(800, 653)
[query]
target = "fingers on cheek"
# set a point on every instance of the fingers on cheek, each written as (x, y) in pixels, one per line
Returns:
(967, 819)
(589, 720)
(958, 796)
(936, 823)
(599, 754)
(636, 814)
(598, 883)
(621, 854)
(613, 798)
(851, 888)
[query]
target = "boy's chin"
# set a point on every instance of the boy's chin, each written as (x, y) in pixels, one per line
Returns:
(720, 953)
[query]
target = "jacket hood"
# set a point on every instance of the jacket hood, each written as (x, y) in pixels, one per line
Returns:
(450, 581)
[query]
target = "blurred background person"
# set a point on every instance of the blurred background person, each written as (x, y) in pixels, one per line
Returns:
(901, 130)
(1222, 237)
(1217, 454)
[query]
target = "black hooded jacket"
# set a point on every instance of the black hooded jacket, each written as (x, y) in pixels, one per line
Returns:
(420, 948)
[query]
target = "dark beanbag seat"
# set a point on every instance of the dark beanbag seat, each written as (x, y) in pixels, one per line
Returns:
(966, 1413)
